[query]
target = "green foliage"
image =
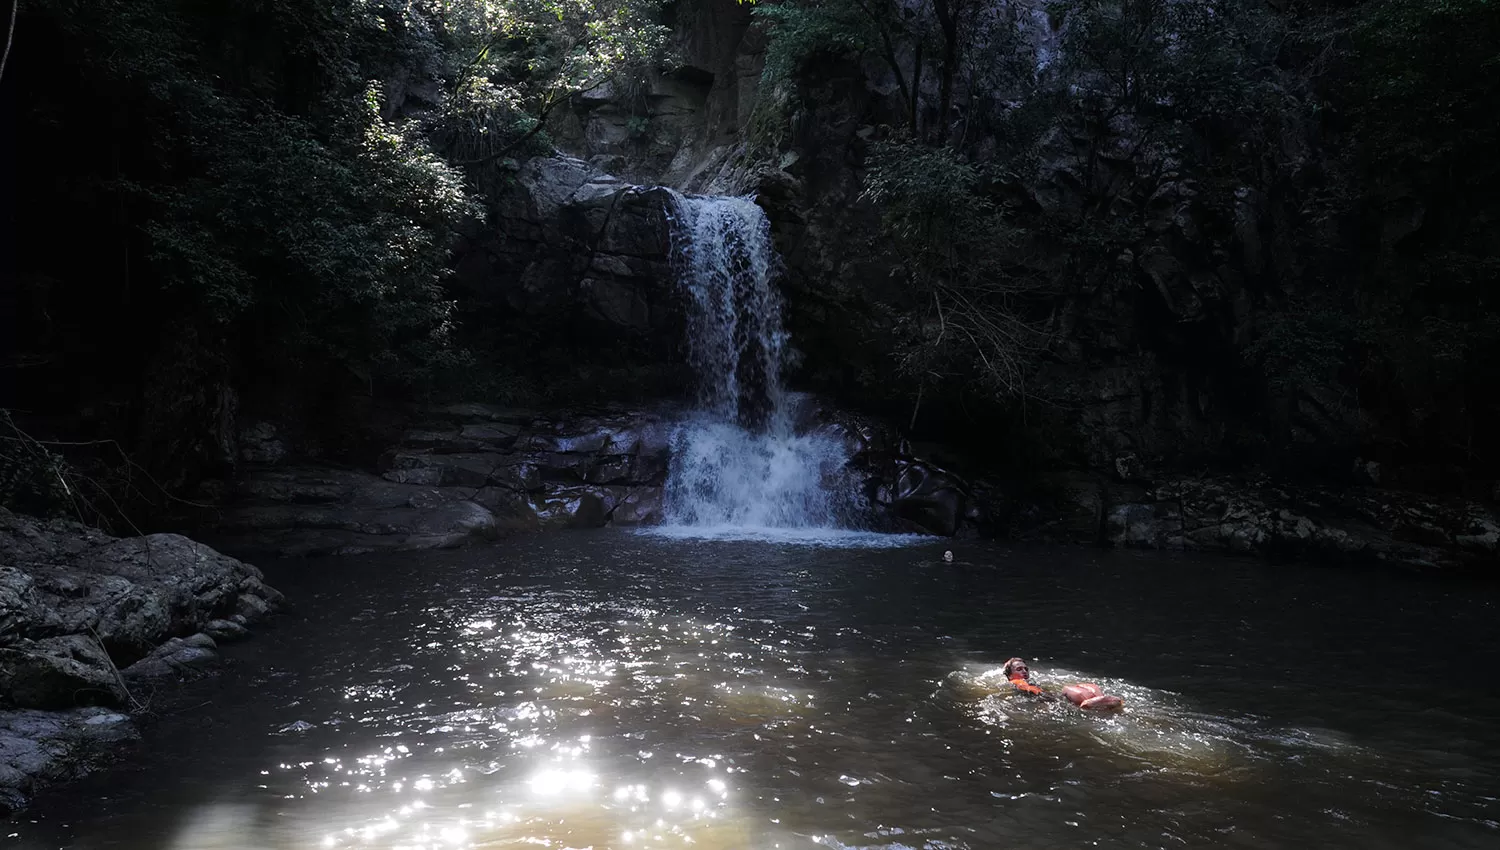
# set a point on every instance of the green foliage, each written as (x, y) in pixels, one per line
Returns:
(1177, 60)
(33, 479)
(1428, 83)
(801, 31)
(1412, 87)
(1305, 349)
(280, 199)
(949, 240)
(283, 195)
(519, 60)
(924, 192)
(482, 121)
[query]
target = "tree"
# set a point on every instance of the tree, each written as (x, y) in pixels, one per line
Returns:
(523, 59)
(253, 218)
(911, 39)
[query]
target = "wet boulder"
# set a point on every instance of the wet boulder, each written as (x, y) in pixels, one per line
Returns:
(17, 596)
(1259, 516)
(511, 508)
(48, 746)
(449, 469)
(641, 506)
(224, 631)
(926, 498)
(75, 606)
(1142, 526)
(583, 506)
(61, 672)
(180, 658)
(357, 511)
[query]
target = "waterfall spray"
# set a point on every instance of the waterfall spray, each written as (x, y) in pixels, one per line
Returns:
(738, 464)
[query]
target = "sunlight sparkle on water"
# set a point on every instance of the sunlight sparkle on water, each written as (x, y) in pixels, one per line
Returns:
(552, 782)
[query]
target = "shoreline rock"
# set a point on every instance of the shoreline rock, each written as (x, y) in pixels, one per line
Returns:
(1260, 516)
(465, 472)
(460, 473)
(87, 620)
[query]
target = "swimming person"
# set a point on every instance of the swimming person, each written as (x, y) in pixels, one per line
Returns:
(1085, 695)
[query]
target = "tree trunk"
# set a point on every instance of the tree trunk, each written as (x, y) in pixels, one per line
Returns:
(948, 12)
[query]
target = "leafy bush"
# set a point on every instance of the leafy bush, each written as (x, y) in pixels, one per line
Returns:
(279, 204)
(801, 31)
(950, 241)
(520, 60)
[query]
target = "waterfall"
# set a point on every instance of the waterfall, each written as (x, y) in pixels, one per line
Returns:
(739, 467)
(736, 344)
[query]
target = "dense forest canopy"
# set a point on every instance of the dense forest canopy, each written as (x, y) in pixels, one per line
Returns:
(220, 201)
(256, 193)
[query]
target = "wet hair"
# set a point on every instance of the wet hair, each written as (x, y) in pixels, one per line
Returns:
(1009, 665)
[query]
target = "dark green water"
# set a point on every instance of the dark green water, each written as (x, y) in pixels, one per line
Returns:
(610, 690)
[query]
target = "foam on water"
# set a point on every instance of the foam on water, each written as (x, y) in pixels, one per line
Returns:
(827, 538)
(741, 469)
(1161, 729)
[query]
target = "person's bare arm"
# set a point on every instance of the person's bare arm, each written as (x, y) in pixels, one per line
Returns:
(1091, 697)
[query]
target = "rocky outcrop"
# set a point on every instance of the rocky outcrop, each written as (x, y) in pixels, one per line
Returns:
(469, 471)
(903, 492)
(44, 747)
(88, 620)
(571, 250)
(678, 124)
(1234, 515)
(1258, 516)
(1149, 350)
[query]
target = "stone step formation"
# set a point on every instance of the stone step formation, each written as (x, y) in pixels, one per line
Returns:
(472, 471)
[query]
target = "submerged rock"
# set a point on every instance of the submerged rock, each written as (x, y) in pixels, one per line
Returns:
(641, 506)
(225, 630)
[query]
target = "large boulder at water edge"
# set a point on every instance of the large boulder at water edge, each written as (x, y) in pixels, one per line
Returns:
(906, 492)
(40, 747)
(76, 608)
(129, 595)
(924, 497)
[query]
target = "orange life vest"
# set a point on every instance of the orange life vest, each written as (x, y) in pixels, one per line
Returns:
(1022, 684)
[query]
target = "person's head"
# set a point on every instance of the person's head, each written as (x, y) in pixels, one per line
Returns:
(1016, 669)
(948, 556)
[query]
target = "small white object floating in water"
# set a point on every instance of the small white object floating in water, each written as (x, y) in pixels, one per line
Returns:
(293, 728)
(948, 556)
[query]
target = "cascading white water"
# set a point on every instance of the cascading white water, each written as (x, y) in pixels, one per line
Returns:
(736, 343)
(738, 466)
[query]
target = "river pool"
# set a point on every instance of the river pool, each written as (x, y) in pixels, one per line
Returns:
(624, 690)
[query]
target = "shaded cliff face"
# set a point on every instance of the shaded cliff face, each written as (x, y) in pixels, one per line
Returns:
(1144, 364)
(682, 124)
(1208, 250)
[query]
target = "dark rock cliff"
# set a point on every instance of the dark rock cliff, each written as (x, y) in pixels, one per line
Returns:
(1146, 381)
(1147, 364)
